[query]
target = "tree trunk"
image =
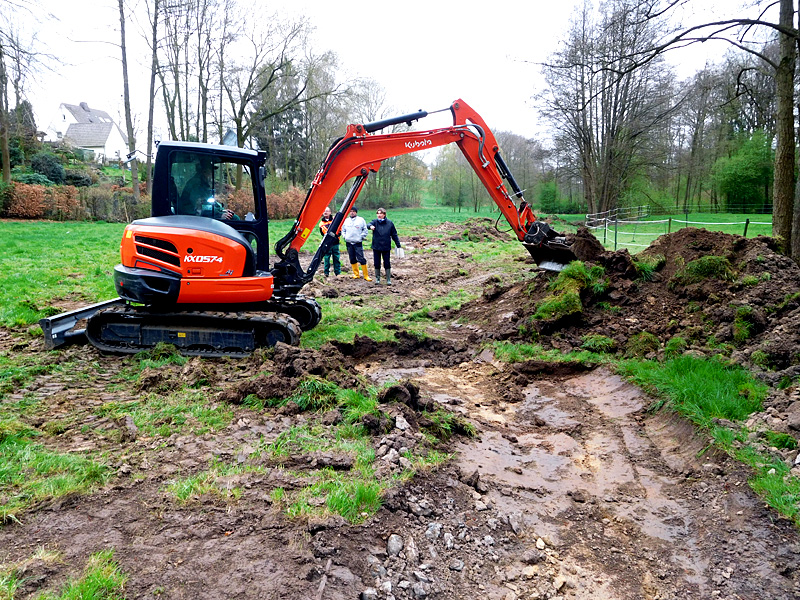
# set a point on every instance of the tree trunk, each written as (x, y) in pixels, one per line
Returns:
(783, 189)
(5, 157)
(127, 100)
(153, 70)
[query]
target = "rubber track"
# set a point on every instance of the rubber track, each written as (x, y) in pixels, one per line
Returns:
(219, 321)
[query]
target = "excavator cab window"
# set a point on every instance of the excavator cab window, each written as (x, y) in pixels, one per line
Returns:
(205, 185)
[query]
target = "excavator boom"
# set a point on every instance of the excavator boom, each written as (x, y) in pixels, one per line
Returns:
(361, 151)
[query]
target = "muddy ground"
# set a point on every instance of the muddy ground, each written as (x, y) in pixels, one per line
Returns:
(571, 489)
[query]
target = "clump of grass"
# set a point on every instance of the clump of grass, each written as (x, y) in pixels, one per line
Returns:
(314, 393)
(30, 473)
(641, 344)
(572, 281)
(576, 277)
(102, 579)
(511, 353)
(188, 488)
(771, 483)
(675, 346)
(699, 389)
(705, 267)
(760, 359)
(558, 307)
(594, 342)
(749, 280)
(743, 324)
(159, 355)
(9, 583)
(443, 424)
(354, 500)
(646, 266)
(780, 440)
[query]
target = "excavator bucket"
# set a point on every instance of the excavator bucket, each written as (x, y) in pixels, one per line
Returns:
(550, 251)
(551, 256)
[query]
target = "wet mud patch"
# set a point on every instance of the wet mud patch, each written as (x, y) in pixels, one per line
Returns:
(620, 495)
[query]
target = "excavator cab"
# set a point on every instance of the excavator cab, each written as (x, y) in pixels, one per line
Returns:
(194, 179)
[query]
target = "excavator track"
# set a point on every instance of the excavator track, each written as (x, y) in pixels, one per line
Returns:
(304, 310)
(128, 330)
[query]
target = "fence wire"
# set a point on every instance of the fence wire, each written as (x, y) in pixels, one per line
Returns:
(629, 222)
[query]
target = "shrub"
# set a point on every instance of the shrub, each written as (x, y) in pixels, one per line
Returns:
(27, 201)
(61, 203)
(77, 178)
(642, 344)
(49, 165)
(99, 202)
(32, 179)
(285, 205)
(6, 192)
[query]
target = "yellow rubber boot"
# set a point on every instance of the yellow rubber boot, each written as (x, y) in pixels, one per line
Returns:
(356, 274)
(366, 273)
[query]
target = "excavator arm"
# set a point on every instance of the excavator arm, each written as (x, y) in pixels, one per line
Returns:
(361, 151)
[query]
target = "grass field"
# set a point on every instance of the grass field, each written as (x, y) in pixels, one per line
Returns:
(46, 262)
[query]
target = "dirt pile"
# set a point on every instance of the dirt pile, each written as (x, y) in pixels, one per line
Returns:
(719, 293)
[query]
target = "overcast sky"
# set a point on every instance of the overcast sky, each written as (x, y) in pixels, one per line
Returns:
(425, 54)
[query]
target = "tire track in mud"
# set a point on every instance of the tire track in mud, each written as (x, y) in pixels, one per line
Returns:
(622, 496)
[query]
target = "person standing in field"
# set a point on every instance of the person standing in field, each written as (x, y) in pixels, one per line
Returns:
(354, 231)
(333, 251)
(383, 233)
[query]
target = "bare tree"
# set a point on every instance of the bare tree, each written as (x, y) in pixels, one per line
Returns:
(127, 102)
(5, 158)
(151, 106)
(748, 34)
(603, 108)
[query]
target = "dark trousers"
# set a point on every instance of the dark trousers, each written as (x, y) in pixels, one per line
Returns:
(356, 253)
(385, 254)
(333, 253)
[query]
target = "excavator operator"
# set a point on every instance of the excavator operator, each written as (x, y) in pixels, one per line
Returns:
(198, 196)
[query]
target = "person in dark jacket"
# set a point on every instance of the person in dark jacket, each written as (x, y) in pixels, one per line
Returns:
(383, 232)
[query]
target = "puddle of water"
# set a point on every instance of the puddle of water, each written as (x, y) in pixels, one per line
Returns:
(609, 393)
(530, 464)
(381, 375)
(545, 407)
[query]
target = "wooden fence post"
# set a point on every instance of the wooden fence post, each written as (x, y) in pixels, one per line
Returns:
(746, 224)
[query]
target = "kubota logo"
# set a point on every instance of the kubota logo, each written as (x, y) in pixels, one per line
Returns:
(201, 259)
(419, 144)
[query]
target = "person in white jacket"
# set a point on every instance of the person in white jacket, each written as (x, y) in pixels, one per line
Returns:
(354, 232)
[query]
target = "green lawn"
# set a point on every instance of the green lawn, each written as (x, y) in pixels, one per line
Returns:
(44, 262)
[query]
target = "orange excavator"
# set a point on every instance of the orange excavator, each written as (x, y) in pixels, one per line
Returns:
(198, 274)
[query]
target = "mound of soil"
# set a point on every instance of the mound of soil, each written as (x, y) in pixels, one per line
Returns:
(750, 306)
